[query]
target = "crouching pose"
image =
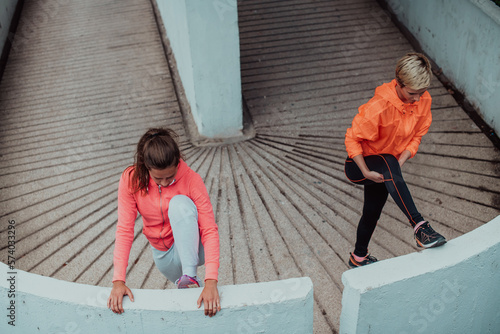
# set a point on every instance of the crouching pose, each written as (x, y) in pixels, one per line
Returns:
(384, 134)
(178, 220)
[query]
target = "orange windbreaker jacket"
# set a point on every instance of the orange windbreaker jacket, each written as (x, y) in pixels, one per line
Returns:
(387, 125)
(156, 225)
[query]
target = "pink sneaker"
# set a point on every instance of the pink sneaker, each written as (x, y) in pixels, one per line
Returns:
(186, 282)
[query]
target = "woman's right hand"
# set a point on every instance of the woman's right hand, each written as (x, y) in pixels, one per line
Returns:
(374, 176)
(115, 300)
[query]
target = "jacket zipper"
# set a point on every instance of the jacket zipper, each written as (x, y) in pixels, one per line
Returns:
(159, 190)
(163, 218)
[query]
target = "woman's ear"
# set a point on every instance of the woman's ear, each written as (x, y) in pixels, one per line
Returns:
(399, 83)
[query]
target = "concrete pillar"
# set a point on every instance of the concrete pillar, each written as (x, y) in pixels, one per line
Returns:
(204, 38)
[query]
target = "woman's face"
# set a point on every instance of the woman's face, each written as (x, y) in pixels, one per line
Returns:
(408, 95)
(163, 177)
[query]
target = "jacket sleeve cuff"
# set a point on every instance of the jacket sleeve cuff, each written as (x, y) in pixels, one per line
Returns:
(211, 272)
(412, 151)
(352, 154)
(118, 277)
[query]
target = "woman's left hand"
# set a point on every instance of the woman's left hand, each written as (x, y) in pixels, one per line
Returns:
(403, 157)
(210, 298)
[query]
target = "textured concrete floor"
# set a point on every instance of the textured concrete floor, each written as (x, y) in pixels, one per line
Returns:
(86, 78)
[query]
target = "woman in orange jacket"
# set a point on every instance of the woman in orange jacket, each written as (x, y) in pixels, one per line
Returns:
(178, 220)
(384, 134)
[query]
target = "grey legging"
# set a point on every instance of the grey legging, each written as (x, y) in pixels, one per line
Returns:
(186, 253)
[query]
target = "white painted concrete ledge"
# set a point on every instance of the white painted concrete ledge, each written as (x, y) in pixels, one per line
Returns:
(451, 289)
(47, 305)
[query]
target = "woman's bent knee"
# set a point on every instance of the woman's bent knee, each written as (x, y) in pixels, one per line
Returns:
(181, 206)
(392, 163)
(391, 160)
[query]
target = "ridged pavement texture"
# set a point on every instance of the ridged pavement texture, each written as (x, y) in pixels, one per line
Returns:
(85, 79)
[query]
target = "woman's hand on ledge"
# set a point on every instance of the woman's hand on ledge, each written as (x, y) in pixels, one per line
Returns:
(210, 298)
(115, 300)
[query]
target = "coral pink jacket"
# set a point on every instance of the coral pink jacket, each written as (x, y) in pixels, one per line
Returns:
(157, 231)
(387, 125)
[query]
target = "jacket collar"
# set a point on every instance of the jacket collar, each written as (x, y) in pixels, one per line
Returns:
(389, 93)
(182, 169)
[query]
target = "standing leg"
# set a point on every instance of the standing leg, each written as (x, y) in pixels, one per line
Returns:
(375, 196)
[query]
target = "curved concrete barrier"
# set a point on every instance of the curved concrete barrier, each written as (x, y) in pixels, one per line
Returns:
(37, 304)
(451, 289)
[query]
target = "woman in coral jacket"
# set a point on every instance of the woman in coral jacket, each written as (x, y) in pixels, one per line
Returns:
(384, 134)
(178, 220)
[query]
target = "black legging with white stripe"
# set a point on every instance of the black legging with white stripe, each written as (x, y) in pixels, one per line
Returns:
(375, 195)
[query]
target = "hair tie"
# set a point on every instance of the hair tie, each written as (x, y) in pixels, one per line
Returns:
(153, 135)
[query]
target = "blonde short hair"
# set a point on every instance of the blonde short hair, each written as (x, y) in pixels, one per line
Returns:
(414, 71)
